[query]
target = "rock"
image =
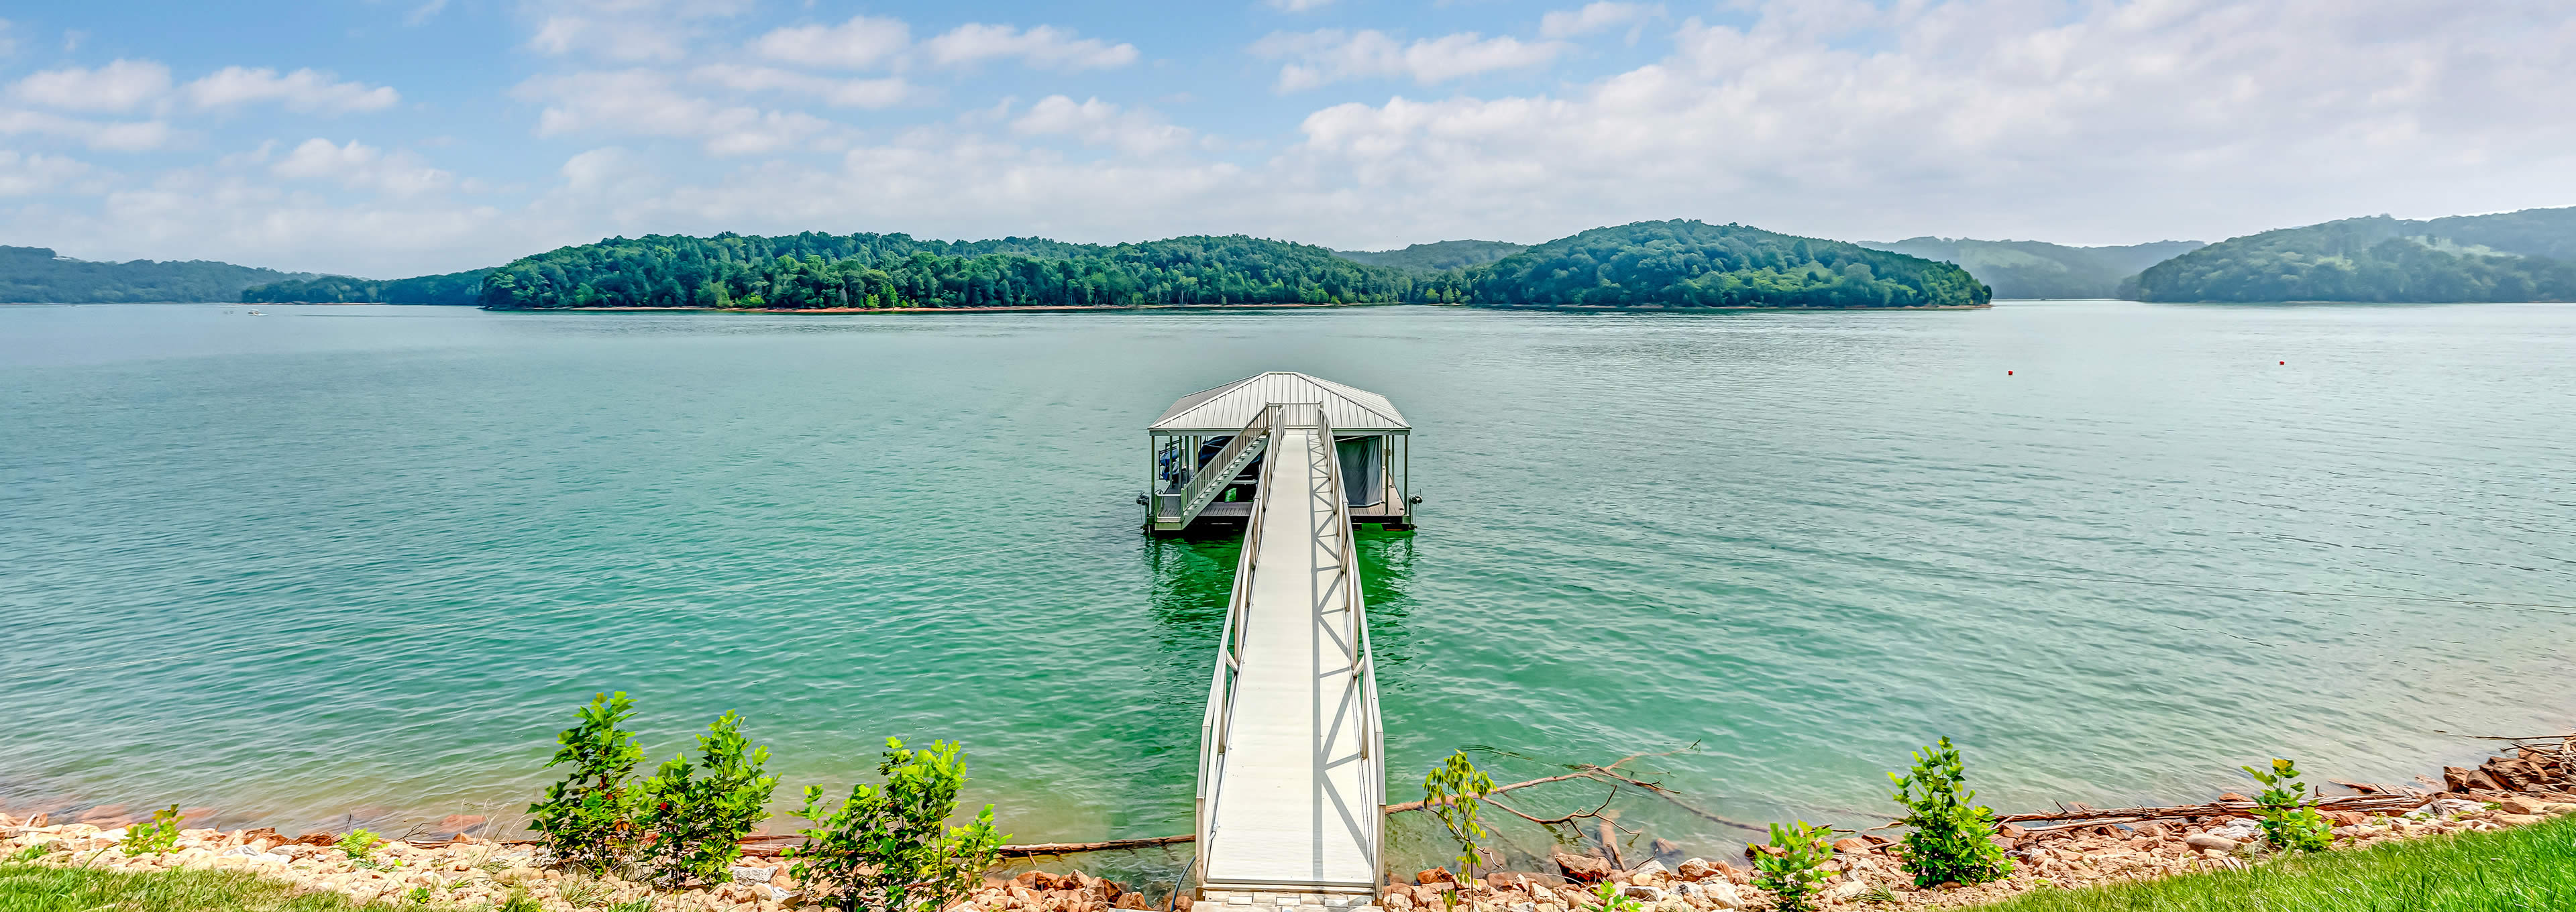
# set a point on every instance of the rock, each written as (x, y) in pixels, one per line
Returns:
(2518, 819)
(1434, 876)
(1399, 901)
(1649, 869)
(2516, 804)
(1852, 844)
(1847, 890)
(2150, 829)
(1642, 892)
(2559, 807)
(2232, 796)
(1582, 868)
(1695, 869)
(2209, 841)
(1130, 901)
(1721, 892)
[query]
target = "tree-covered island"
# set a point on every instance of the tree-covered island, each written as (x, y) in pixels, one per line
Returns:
(1686, 263)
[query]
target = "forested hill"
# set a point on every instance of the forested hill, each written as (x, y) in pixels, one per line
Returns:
(464, 288)
(1436, 256)
(2515, 256)
(878, 271)
(1683, 263)
(35, 274)
(2037, 269)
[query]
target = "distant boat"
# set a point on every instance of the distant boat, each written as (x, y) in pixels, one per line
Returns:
(257, 314)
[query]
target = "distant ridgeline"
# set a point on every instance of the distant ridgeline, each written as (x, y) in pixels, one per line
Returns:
(1437, 256)
(814, 270)
(2037, 269)
(1683, 263)
(2516, 256)
(35, 274)
(451, 288)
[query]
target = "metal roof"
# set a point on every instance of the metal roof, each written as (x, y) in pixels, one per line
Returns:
(1230, 407)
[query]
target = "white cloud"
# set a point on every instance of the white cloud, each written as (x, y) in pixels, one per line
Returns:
(1332, 55)
(861, 42)
(1097, 122)
(1594, 17)
(1296, 6)
(34, 173)
(111, 136)
(8, 41)
(303, 91)
(649, 103)
(1044, 46)
(424, 12)
(625, 30)
(119, 86)
(361, 167)
(842, 93)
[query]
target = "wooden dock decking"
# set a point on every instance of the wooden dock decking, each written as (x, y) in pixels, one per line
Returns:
(1292, 778)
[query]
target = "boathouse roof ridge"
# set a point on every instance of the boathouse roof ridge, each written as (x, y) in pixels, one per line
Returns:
(1231, 406)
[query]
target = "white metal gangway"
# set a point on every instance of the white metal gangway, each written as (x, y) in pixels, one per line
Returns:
(1291, 759)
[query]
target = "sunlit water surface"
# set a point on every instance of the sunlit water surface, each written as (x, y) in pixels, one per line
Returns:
(356, 565)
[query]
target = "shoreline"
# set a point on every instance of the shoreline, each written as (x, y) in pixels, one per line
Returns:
(2072, 846)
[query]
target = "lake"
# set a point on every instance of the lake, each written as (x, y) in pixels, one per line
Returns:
(357, 565)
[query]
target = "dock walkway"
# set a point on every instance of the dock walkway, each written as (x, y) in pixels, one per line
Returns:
(1292, 771)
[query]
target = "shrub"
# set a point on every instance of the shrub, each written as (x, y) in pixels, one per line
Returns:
(161, 835)
(1611, 897)
(1952, 837)
(889, 848)
(2288, 823)
(1792, 866)
(586, 819)
(697, 816)
(360, 843)
(1452, 792)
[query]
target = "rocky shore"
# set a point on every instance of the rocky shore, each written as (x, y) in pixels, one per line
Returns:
(2074, 846)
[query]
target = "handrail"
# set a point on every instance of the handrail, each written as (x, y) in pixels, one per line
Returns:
(1221, 469)
(1215, 728)
(1364, 665)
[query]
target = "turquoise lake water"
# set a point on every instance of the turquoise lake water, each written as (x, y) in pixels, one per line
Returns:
(356, 565)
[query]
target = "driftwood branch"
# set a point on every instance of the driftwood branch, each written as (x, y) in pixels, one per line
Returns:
(2214, 809)
(1064, 848)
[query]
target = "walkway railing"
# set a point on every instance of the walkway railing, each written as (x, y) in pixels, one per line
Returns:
(1371, 823)
(1214, 728)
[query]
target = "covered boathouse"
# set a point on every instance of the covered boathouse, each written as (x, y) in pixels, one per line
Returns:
(1207, 451)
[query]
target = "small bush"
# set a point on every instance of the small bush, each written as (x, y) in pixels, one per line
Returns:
(889, 848)
(1952, 837)
(359, 844)
(2288, 823)
(1453, 793)
(31, 853)
(1792, 865)
(587, 819)
(1611, 897)
(696, 817)
(161, 835)
(419, 896)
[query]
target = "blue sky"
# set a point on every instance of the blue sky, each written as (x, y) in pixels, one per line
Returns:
(405, 136)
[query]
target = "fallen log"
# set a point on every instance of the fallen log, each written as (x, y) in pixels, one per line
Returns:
(2221, 809)
(1063, 848)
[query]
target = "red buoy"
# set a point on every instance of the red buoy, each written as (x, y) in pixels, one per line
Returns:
(2285, 362)
(2007, 373)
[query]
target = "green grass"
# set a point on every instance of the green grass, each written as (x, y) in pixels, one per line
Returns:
(30, 888)
(2525, 868)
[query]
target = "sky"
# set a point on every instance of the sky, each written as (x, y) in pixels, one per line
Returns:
(387, 138)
